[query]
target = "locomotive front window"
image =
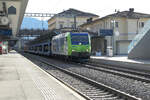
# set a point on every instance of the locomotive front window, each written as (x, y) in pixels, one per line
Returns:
(78, 38)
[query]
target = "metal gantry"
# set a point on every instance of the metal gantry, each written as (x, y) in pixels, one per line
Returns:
(39, 14)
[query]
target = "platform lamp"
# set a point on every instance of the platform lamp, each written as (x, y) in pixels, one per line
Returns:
(113, 22)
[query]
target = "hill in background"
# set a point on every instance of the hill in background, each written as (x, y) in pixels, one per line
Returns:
(33, 23)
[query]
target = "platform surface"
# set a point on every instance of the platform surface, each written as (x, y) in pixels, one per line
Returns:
(121, 59)
(20, 79)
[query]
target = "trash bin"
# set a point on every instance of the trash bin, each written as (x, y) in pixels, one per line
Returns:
(109, 51)
(98, 53)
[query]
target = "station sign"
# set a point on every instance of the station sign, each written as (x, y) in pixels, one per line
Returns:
(5, 32)
(106, 32)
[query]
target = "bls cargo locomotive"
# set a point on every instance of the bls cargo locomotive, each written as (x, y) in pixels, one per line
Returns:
(68, 45)
(71, 45)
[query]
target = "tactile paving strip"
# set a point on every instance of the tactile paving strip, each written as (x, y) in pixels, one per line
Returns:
(47, 92)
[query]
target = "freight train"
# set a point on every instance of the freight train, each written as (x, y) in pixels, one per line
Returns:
(67, 45)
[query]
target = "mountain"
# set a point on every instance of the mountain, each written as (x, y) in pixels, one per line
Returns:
(33, 23)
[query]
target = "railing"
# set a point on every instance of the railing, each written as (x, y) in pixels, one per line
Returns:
(139, 36)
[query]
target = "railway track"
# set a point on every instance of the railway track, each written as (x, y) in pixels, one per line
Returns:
(128, 73)
(86, 87)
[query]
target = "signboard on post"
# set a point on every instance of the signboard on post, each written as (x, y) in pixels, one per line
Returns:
(106, 32)
(5, 32)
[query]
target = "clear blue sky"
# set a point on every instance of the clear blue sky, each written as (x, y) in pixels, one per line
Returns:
(99, 7)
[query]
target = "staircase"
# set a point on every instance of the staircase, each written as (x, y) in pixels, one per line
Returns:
(139, 48)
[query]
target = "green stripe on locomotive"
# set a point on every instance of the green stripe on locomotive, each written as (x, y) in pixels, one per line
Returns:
(77, 48)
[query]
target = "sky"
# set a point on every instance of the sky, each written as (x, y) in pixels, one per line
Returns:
(98, 7)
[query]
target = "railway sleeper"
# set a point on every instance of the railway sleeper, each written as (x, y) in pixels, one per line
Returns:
(89, 90)
(99, 92)
(96, 94)
(93, 89)
(102, 96)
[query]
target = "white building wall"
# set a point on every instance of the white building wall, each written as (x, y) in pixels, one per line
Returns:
(132, 26)
(69, 21)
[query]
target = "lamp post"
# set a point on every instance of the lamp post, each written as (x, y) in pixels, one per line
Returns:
(113, 28)
(112, 37)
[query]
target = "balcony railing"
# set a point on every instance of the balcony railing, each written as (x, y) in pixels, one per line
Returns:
(139, 36)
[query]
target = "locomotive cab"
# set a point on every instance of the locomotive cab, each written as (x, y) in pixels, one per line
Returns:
(80, 45)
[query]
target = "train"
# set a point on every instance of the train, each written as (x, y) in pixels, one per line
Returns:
(3, 47)
(67, 45)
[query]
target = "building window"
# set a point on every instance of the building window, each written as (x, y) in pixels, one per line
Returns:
(12, 10)
(61, 22)
(61, 25)
(142, 24)
(116, 24)
(72, 26)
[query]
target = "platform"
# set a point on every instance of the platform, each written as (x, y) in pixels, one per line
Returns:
(20, 79)
(123, 61)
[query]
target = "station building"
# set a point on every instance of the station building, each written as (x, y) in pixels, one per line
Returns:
(69, 19)
(117, 30)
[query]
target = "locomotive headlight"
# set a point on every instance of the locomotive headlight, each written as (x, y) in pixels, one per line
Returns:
(87, 50)
(4, 47)
(80, 43)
